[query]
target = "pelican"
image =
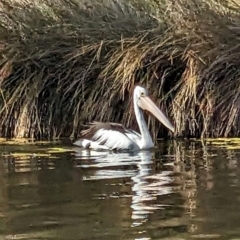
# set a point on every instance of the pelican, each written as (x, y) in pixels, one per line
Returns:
(114, 136)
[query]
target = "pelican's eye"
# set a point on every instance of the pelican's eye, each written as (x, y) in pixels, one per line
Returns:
(142, 94)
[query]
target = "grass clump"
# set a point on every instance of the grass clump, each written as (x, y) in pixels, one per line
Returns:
(67, 62)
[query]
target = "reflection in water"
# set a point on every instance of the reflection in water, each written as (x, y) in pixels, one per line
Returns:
(140, 210)
(179, 191)
(148, 185)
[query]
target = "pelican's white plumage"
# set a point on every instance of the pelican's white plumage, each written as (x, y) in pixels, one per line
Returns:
(114, 136)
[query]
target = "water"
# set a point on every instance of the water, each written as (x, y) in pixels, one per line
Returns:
(180, 191)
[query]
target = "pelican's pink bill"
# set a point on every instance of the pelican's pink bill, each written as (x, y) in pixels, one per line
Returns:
(146, 103)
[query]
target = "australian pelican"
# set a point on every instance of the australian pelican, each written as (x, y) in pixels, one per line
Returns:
(114, 136)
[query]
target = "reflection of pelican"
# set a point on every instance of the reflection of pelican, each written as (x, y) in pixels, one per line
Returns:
(139, 211)
(114, 136)
(146, 190)
(146, 186)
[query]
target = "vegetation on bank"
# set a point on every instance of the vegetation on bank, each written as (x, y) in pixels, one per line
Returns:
(67, 62)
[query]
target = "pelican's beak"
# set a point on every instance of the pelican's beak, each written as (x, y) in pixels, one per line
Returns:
(147, 104)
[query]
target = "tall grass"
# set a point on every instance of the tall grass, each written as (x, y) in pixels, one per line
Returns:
(67, 62)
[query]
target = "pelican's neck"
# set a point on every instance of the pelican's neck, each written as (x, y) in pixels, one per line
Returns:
(146, 140)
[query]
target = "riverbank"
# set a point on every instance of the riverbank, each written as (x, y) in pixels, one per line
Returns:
(65, 63)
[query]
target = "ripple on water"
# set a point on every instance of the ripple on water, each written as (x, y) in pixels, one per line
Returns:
(179, 192)
(146, 184)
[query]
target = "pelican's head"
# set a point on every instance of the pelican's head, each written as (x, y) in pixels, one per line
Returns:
(143, 101)
(140, 91)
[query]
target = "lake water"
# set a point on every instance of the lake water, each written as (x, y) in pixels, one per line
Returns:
(180, 191)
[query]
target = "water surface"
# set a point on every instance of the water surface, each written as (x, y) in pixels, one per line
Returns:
(179, 191)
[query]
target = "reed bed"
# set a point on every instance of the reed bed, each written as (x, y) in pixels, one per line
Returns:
(64, 63)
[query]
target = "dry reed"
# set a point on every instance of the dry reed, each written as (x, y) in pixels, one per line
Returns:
(64, 63)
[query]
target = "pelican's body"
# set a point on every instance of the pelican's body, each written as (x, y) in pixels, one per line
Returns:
(114, 136)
